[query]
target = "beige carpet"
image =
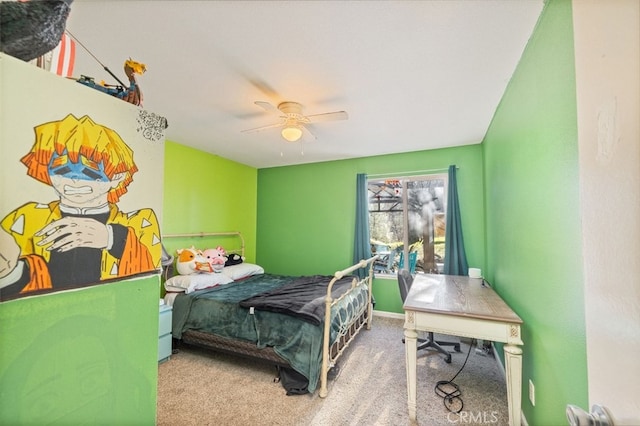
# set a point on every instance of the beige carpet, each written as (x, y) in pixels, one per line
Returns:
(197, 387)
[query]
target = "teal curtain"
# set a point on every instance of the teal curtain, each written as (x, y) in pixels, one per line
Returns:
(362, 243)
(455, 259)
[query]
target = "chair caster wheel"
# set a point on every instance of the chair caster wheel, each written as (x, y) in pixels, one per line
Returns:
(448, 359)
(457, 348)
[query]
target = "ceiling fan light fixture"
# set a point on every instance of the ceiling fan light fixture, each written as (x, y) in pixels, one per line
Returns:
(292, 133)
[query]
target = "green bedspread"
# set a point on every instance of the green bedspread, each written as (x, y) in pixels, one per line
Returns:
(217, 311)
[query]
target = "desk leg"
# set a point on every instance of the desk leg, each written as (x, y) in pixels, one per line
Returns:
(411, 353)
(513, 365)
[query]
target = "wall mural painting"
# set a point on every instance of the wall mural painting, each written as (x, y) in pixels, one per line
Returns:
(79, 237)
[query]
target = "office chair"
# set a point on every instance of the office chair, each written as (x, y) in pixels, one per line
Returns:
(385, 263)
(413, 261)
(405, 279)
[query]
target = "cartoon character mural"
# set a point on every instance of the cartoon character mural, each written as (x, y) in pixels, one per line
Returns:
(81, 238)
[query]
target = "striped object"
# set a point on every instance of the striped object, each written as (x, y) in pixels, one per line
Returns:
(63, 57)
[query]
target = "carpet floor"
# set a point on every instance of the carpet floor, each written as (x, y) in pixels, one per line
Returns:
(198, 387)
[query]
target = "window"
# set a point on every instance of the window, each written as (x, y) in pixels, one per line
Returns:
(407, 220)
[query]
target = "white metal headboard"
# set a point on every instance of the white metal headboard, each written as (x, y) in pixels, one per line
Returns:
(239, 250)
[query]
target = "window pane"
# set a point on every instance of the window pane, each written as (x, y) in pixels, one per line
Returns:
(386, 222)
(411, 212)
(425, 215)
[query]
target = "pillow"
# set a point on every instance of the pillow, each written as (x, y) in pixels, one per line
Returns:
(190, 283)
(242, 270)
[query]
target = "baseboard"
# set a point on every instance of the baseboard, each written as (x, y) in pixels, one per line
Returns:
(385, 314)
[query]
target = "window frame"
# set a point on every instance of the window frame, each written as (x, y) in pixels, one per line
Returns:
(404, 186)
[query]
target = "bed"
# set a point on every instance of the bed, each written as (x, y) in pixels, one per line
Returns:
(275, 318)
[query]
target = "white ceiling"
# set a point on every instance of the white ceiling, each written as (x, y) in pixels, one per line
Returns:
(412, 75)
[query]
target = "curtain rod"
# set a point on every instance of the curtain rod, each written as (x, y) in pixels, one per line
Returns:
(414, 172)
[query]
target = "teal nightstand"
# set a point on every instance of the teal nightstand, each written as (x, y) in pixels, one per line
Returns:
(164, 333)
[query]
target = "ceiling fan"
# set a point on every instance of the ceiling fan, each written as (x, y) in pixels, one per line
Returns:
(293, 121)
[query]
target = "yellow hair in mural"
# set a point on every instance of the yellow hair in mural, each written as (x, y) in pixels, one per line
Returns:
(81, 137)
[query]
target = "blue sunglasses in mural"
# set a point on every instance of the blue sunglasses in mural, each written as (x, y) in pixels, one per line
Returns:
(84, 169)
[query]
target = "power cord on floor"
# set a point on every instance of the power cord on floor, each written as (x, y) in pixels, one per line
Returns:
(449, 391)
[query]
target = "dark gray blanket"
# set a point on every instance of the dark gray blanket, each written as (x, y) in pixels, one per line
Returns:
(303, 298)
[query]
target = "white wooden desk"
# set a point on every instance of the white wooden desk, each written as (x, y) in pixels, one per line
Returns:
(462, 306)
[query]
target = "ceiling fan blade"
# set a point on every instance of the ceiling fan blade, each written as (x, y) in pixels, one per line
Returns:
(328, 116)
(308, 131)
(268, 107)
(259, 129)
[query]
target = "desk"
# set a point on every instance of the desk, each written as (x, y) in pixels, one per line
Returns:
(462, 306)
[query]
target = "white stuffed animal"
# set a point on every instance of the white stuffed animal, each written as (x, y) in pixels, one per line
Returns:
(191, 261)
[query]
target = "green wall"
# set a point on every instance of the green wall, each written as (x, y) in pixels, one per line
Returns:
(207, 193)
(306, 213)
(521, 222)
(64, 358)
(533, 216)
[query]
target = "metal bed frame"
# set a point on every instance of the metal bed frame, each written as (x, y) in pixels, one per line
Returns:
(330, 351)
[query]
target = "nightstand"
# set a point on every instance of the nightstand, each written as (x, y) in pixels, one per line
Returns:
(164, 333)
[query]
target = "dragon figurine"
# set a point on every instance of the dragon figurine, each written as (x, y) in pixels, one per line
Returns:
(131, 93)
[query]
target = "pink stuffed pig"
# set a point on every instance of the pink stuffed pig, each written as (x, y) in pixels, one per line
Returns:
(216, 258)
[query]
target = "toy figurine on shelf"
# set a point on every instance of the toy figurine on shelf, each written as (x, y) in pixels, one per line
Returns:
(131, 94)
(131, 68)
